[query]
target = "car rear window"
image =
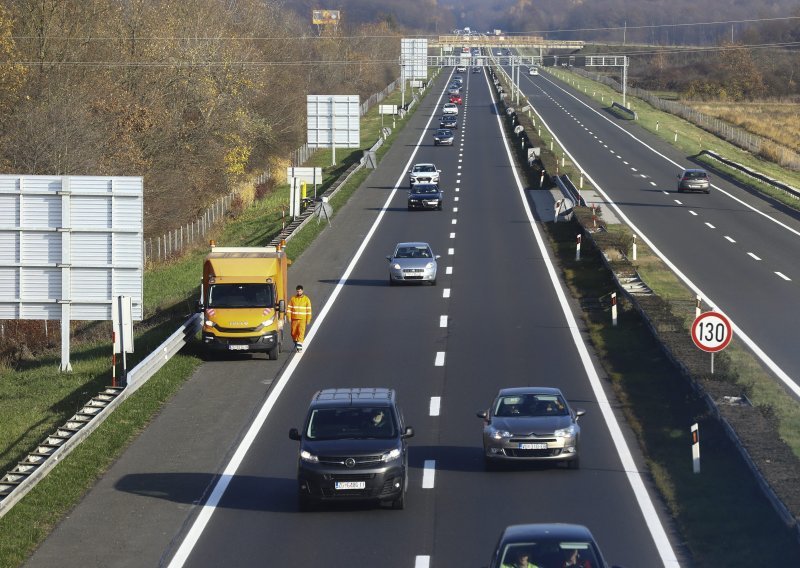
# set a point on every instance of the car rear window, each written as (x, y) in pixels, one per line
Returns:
(695, 175)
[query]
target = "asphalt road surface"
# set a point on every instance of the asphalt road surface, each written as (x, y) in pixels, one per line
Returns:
(496, 318)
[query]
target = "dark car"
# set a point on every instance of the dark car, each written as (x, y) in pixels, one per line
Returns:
(476, 69)
(443, 137)
(694, 180)
(554, 544)
(448, 121)
(353, 447)
(425, 196)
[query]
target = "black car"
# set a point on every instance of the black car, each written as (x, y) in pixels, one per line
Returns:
(449, 121)
(425, 196)
(353, 447)
(554, 544)
(443, 137)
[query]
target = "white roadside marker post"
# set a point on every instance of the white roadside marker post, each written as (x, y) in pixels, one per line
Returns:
(634, 247)
(695, 449)
(697, 308)
(614, 309)
(578, 248)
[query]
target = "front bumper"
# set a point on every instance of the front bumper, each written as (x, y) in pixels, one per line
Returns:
(257, 343)
(379, 484)
(531, 449)
(443, 142)
(413, 275)
(424, 204)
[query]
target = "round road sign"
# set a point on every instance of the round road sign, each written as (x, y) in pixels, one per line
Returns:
(711, 332)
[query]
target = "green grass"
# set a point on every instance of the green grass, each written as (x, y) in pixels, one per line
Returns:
(35, 399)
(721, 505)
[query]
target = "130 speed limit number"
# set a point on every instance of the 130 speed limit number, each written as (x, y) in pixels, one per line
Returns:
(712, 332)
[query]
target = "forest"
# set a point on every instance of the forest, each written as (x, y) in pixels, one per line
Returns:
(194, 95)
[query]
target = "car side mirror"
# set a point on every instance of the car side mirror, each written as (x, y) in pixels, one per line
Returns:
(281, 306)
(389, 258)
(294, 434)
(438, 256)
(482, 414)
(198, 306)
(438, 171)
(409, 432)
(579, 412)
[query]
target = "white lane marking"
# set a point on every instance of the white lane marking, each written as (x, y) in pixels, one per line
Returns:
(646, 506)
(448, 270)
(755, 348)
(634, 170)
(693, 213)
(452, 235)
(750, 254)
(459, 167)
(664, 192)
(624, 162)
(453, 221)
(451, 251)
(442, 321)
(455, 209)
(422, 562)
(439, 361)
(446, 293)
(428, 474)
(435, 406)
(710, 226)
(782, 275)
(619, 156)
(653, 183)
(455, 198)
(678, 202)
(730, 239)
(227, 475)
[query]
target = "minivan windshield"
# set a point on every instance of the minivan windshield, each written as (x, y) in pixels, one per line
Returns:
(351, 422)
(241, 296)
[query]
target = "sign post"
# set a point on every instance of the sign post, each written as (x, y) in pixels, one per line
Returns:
(712, 332)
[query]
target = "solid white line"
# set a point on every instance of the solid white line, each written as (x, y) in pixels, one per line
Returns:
(227, 475)
(730, 239)
(648, 510)
(782, 275)
(439, 361)
(428, 474)
(446, 293)
(693, 213)
(442, 321)
(422, 562)
(451, 251)
(710, 226)
(452, 235)
(753, 256)
(448, 270)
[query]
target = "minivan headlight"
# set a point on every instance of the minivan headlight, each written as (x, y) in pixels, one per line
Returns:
(390, 455)
(309, 457)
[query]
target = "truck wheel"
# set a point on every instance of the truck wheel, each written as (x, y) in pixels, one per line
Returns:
(272, 354)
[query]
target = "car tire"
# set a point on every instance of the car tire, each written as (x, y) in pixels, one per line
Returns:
(272, 354)
(433, 282)
(707, 191)
(392, 282)
(439, 207)
(400, 503)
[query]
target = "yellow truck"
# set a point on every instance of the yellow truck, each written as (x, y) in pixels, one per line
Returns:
(243, 299)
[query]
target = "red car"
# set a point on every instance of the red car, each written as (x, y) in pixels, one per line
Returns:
(456, 99)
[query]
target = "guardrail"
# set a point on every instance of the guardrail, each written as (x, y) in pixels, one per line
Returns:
(19, 481)
(569, 190)
(793, 191)
(625, 110)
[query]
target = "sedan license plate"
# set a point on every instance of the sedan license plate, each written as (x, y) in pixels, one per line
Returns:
(350, 485)
(533, 446)
(238, 347)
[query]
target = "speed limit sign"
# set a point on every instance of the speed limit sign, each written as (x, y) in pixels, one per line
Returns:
(712, 332)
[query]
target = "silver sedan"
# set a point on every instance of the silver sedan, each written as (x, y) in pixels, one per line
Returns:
(412, 262)
(531, 424)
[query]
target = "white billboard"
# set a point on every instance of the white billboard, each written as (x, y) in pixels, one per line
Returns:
(69, 245)
(414, 58)
(334, 121)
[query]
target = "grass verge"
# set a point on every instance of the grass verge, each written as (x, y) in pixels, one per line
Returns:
(35, 399)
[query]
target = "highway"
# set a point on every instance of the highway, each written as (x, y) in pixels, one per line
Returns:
(738, 249)
(496, 318)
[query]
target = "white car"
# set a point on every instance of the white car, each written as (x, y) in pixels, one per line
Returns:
(423, 173)
(461, 69)
(533, 71)
(450, 108)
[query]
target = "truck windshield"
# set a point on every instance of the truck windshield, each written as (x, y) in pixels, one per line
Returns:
(349, 422)
(241, 296)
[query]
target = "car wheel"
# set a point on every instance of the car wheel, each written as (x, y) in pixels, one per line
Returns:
(707, 191)
(433, 282)
(391, 281)
(272, 354)
(400, 503)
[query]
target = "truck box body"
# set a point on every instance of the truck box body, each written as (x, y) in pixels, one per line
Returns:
(244, 296)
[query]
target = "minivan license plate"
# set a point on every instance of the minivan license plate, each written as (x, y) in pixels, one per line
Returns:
(350, 485)
(538, 446)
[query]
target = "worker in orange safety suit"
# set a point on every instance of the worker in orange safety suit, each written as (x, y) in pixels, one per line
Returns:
(299, 312)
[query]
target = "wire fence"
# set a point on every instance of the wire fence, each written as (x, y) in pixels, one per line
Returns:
(739, 137)
(171, 243)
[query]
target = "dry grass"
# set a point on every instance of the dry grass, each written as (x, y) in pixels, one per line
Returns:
(779, 122)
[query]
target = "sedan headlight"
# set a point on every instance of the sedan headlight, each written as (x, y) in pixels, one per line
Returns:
(309, 457)
(499, 434)
(396, 266)
(390, 455)
(567, 432)
(429, 265)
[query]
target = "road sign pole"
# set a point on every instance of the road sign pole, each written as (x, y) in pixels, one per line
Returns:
(712, 362)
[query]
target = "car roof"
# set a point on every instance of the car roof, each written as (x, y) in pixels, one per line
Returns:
(563, 531)
(694, 170)
(424, 164)
(412, 244)
(528, 390)
(339, 397)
